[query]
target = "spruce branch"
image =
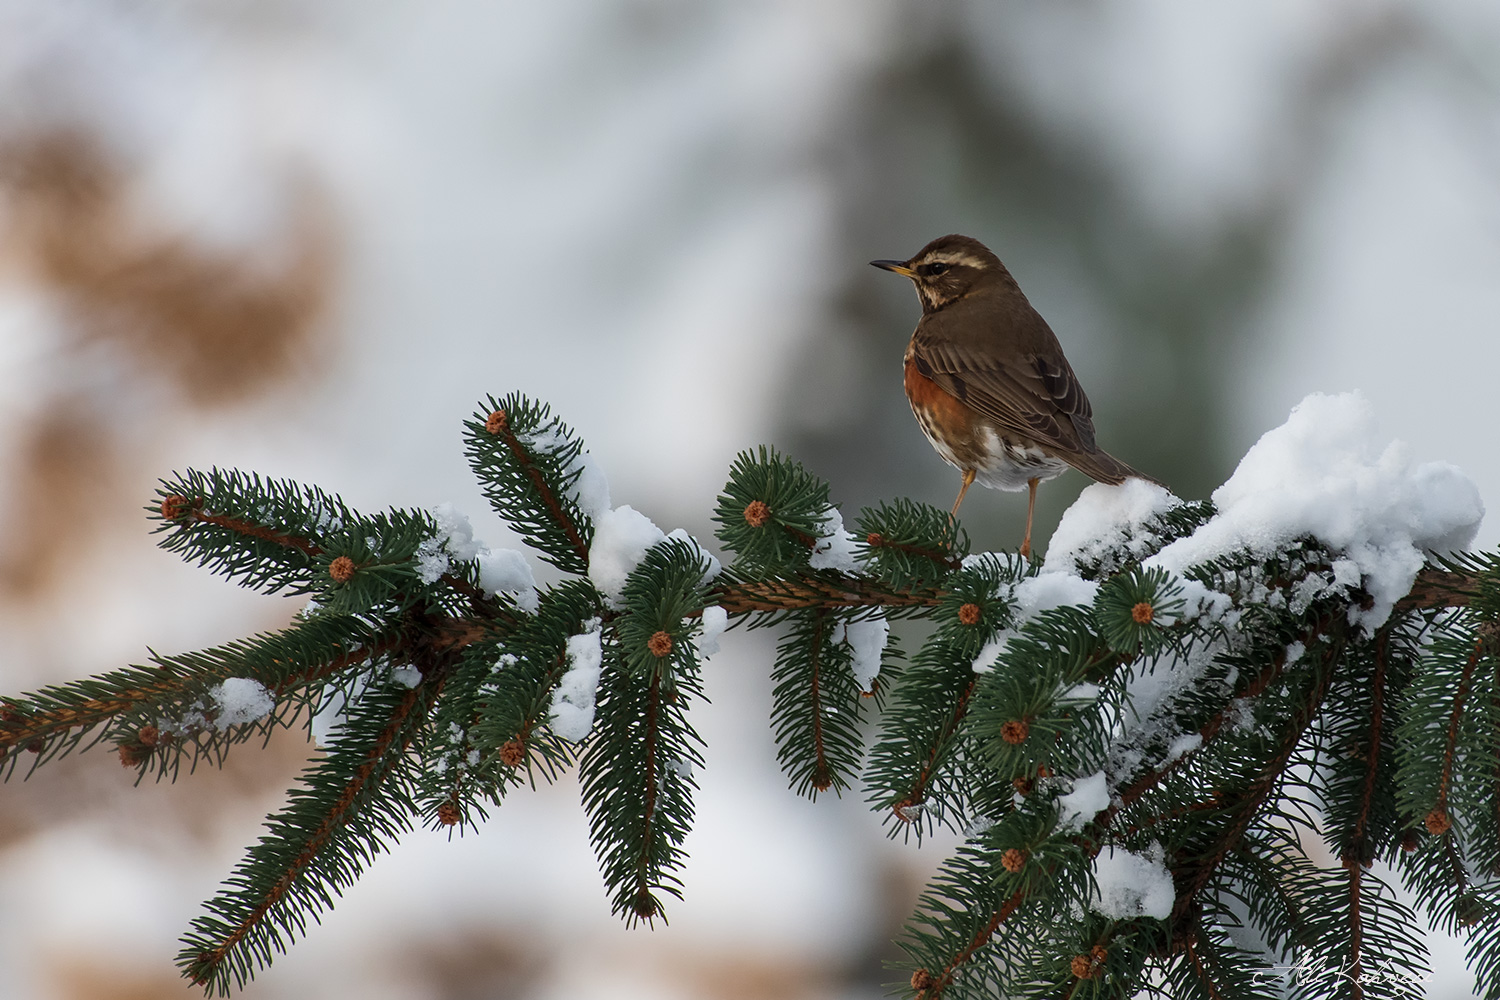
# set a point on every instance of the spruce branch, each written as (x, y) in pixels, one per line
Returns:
(529, 465)
(1359, 850)
(1192, 877)
(1201, 723)
(315, 847)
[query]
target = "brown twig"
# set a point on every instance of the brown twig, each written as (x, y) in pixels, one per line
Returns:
(1356, 853)
(1203, 977)
(918, 791)
(822, 775)
(254, 530)
(1437, 588)
(810, 591)
(878, 541)
(18, 728)
(523, 458)
(1459, 697)
(644, 905)
(944, 979)
(1356, 933)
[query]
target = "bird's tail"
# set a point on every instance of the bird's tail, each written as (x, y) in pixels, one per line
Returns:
(1104, 467)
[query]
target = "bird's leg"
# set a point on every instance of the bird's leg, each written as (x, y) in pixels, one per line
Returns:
(968, 479)
(1030, 509)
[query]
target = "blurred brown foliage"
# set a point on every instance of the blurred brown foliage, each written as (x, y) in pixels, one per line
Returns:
(142, 310)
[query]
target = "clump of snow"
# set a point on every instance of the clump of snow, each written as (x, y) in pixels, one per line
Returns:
(1089, 797)
(1181, 746)
(572, 712)
(1327, 473)
(989, 653)
(867, 638)
(1200, 602)
(500, 571)
(1104, 520)
(715, 621)
(507, 571)
(454, 540)
(622, 537)
(714, 566)
(1129, 885)
(591, 489)
(1030, 598)
(834, 548)
(407, 677)
(240, 700)
(1046, 591)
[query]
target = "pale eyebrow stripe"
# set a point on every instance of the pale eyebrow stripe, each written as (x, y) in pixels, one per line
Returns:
(952, 257)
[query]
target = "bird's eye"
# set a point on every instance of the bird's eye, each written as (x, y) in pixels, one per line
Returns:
(935, 269)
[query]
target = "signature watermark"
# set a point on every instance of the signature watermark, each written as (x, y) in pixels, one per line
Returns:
(1398, 982)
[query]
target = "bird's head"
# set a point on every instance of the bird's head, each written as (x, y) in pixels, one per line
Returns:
(947, 269)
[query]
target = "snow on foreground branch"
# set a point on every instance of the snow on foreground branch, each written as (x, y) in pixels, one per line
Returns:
(1140, 737)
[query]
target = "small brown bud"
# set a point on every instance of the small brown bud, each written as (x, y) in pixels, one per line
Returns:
(873, 538)
(1023, 785)
(969, 614)
(513, 753)
(132, 754)
(1082, 966)
(757, 514)
(1437, 822)
(645, 905)
(1044, 771)
(173, 507)
(341, 569)
(36, 746)
(495, 422)
(922, 980)
(660, 644)
(148, 736)
(1409, 841)
(1013, 860)
(448, 813)
(1015, 732)
(1142, 613)
(1099, 954)
(822, 782)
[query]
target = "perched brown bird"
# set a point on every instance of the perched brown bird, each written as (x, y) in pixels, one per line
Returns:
(988, 381)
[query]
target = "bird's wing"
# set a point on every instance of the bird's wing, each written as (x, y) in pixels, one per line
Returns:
(1032, 393)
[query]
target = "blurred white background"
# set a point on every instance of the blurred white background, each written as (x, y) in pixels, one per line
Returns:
(305, 237)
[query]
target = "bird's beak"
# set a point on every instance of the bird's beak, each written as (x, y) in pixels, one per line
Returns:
(894, 265)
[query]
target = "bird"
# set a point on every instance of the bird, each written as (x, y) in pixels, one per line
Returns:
(988, 382)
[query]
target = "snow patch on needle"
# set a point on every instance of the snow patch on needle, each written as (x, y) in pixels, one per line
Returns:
(240, 700)
(572, 713)
(834, 548)
(1130, 884)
